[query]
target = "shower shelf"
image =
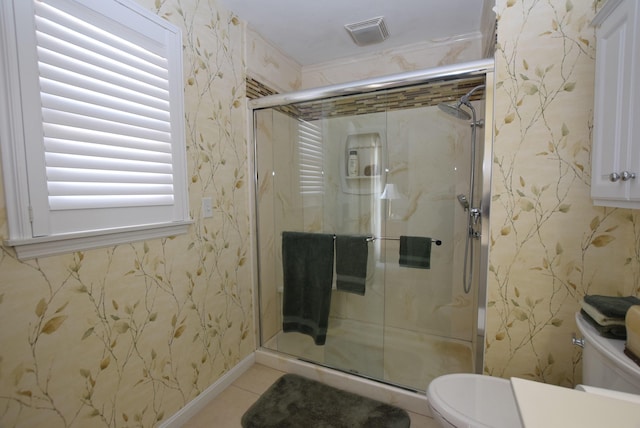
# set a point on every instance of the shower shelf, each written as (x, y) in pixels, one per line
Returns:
(358, 177)
(369, 146)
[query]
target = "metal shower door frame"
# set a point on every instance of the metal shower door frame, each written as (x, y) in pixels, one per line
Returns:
(449, 72)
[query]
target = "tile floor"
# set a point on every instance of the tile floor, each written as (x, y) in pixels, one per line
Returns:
(226, 410)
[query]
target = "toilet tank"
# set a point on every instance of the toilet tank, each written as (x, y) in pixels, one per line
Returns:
(604, 363)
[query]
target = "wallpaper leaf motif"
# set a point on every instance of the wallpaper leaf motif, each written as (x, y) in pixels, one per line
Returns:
(549, 244)
(126, 335)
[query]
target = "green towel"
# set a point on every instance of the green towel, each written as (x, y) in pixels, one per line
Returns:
(415, 252)
(611, 331)
(307, 264)
(609, 307)
(351, 263)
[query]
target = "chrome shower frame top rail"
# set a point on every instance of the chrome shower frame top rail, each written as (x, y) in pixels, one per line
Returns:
(453, 71)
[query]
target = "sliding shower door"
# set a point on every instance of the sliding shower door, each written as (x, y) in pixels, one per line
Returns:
(382, 166)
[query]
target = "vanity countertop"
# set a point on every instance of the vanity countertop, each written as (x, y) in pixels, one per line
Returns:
(545, 406)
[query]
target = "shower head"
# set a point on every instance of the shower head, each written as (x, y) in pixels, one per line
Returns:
(454, 110)
(463, 201)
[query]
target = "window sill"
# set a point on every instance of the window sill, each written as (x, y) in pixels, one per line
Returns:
(51, 245)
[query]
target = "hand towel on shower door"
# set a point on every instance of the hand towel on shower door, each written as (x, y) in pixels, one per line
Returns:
(351, 263)
(415, 252)
(307, 264)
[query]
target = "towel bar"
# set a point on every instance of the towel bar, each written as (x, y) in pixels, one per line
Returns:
(373, 238)
(387, 238)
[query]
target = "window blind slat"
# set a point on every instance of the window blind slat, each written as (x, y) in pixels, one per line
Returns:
(67, 105)
(71, 119)
(309, 155)
(88, 175)
(64, 188)
(65, 160)
(54, 145)
(58, 203)
(63, 132)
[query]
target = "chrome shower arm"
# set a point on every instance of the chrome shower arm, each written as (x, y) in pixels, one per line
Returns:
(465, 98)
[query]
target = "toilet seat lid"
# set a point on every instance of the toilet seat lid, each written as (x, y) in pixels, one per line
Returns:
(472, 400)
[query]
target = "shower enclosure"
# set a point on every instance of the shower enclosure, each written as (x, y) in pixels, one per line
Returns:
(379, 159)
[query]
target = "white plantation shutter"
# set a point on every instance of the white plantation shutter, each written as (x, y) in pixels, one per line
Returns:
(103, 119)
(311, 158)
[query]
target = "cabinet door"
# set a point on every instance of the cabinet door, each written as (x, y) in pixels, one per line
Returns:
(612, 121)
(634, 103)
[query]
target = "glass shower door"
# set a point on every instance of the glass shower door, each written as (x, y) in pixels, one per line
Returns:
(412, 323)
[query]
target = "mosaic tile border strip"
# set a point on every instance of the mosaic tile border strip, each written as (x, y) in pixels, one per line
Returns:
(428, 94)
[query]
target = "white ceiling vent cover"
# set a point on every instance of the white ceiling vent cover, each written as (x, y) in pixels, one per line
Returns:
(368, 32)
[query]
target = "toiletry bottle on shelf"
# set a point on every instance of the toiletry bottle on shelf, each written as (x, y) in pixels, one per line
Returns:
(353, 163)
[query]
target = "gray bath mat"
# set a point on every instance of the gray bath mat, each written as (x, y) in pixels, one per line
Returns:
(297, 402)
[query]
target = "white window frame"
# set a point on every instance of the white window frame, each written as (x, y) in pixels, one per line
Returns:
(26, 201)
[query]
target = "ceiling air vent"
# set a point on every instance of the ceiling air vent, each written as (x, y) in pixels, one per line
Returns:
(368, 32)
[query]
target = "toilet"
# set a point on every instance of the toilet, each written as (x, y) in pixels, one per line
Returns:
(474, 401)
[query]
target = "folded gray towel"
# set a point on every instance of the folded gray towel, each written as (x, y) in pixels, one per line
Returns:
(609, 307)
(611, 331)
(307, 263)
(351, 263)
(415, 251)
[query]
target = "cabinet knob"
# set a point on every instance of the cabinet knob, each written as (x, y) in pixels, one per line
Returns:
(614, 176)
(626, 175)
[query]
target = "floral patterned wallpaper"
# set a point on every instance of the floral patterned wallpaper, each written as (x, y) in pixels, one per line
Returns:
(127, 335)
(549, 244)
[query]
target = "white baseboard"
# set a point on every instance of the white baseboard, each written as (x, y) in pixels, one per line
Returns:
(194, 406)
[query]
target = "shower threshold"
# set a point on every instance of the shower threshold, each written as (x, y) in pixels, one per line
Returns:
(399, 357)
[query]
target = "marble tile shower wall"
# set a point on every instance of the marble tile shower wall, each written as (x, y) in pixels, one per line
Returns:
(428, 162)
(279, 208)
(422, 147)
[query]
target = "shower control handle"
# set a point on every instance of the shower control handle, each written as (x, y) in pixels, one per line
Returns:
(475, 214)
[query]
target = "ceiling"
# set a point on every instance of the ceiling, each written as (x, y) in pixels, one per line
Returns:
(312, 31)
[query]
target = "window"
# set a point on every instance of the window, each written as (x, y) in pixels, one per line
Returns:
(311, 158)
(93, 125)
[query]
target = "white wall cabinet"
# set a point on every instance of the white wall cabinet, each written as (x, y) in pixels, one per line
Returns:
(615, 175)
